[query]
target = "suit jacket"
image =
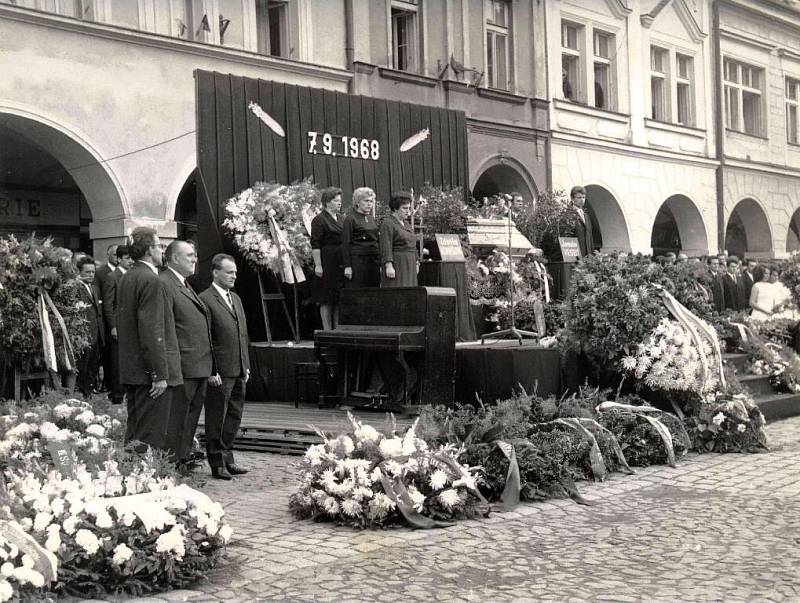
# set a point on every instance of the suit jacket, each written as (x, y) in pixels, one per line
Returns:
(228, 334)
(747, 279)
(109, 292)
(93, 313)
(101, 274)
(734, 293)
(148, 346)
(718, 292)
(192, 327)
(583, 231)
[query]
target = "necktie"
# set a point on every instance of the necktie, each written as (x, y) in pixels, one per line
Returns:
(229, 299)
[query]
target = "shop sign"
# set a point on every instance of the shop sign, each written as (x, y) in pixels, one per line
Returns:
(34, 208)
(570, 250)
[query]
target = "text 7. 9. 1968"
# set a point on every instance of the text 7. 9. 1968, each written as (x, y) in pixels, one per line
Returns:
(343, 146)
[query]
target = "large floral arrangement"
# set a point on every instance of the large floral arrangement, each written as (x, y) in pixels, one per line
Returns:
(117, 521)
(247, 217)
(780, 363)
(725, 422)
(26, 268)
(614, 304)
(369, 478)
(442, 210)
(790, 276)
(670, 359)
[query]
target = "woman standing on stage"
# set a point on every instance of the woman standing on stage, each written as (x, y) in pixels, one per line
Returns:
(326, 247)
(398, 245)
(361, 255)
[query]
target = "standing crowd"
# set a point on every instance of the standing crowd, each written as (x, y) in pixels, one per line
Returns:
(167, 351)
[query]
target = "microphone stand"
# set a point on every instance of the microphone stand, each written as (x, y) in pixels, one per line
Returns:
(512, 331)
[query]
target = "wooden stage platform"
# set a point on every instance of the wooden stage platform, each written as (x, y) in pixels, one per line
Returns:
(281, 428)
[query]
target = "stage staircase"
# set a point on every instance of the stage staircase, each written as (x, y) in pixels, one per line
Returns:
(772, 404)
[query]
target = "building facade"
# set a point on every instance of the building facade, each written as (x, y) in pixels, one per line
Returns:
(97, 110)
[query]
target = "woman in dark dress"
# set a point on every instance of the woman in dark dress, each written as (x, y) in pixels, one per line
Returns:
(361, 256)
(398, 245)
(326, 247)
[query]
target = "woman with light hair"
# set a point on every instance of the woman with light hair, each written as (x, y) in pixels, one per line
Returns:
(361, 255)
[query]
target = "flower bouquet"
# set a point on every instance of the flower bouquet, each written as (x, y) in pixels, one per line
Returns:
(116, 521)
(725, 422)
(366, 478)
(248, 216)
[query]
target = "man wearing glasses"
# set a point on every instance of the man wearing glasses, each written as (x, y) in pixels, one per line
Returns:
(150, 364)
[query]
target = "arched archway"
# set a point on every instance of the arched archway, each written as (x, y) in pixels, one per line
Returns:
(678, 227)
(793, 236)
(45, 162)
(186, 209)
(503, 175)
(748, 230)
(610, 228)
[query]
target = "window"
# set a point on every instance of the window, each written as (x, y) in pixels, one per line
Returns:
(571, 36)
(498, 39)
(271, 28)
(659, 83)
(604, 81)
(743, 97)
(684, 77)
(792, 110)
(405, 30)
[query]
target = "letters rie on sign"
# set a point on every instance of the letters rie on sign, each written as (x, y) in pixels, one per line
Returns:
(570, 250)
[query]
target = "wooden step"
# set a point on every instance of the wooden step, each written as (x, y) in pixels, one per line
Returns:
(757, 384)
(778, 406)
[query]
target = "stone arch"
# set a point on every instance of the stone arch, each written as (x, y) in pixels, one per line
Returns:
(78, 157)
(747, 231)
(186, 199)
(503, 174)
(610, 227)
(793, 234)
(679, 226)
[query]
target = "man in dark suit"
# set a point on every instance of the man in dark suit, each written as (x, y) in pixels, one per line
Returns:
(193, 329)
(109, 292)
(101, 276)
(734, 287)
(717, 283)
(583, 225)
(748, 278)
(225, 398)
(90, 296)
(150, 365)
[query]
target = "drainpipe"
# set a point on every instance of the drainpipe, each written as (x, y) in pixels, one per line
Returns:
(349, 46)
(719, 127)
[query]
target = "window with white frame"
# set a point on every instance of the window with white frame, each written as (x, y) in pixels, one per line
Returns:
(405, 35)
(272, 28)
(744, 111)
(498, 43)
(684, 88)
(571, 47)
(793, 110)
(659, 83)
(605, 96)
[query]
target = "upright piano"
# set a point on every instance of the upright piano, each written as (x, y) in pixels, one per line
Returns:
(395, 347)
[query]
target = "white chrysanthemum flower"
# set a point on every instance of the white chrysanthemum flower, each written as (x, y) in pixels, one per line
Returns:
(314, 454)
(417, 498)
(104, 520)
(717, 419)
(225, 532)
(367, 433)
(438, 479)
(121, 554)
(629, 363)
(41, 521)
(466, 480)
(26, 575)
(741, 427)
(394, 467)
(449, 498)
(70, 524)
(6, 590)
(172, 542)
(391, 447)
(331, 506)
(53, 542)
(87, 416)
(7, 569)
(27, 561)
(96, 430)
(48, 430)
(351, 508)
(86, 540)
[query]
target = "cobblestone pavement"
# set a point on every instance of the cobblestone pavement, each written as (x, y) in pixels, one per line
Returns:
(717, 528)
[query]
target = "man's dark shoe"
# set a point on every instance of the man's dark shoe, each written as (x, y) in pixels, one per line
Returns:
(220, 473)
(236, 470)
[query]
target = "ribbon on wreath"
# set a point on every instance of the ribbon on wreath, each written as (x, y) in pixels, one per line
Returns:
(291, 270)
(542, 272)
(695, 326)
(45, 306)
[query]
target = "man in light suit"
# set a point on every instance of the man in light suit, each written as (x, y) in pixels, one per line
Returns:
(193, 329)
(109, 292)
(583, 226)
(89, 358)
(150, 364)
(225, 398)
